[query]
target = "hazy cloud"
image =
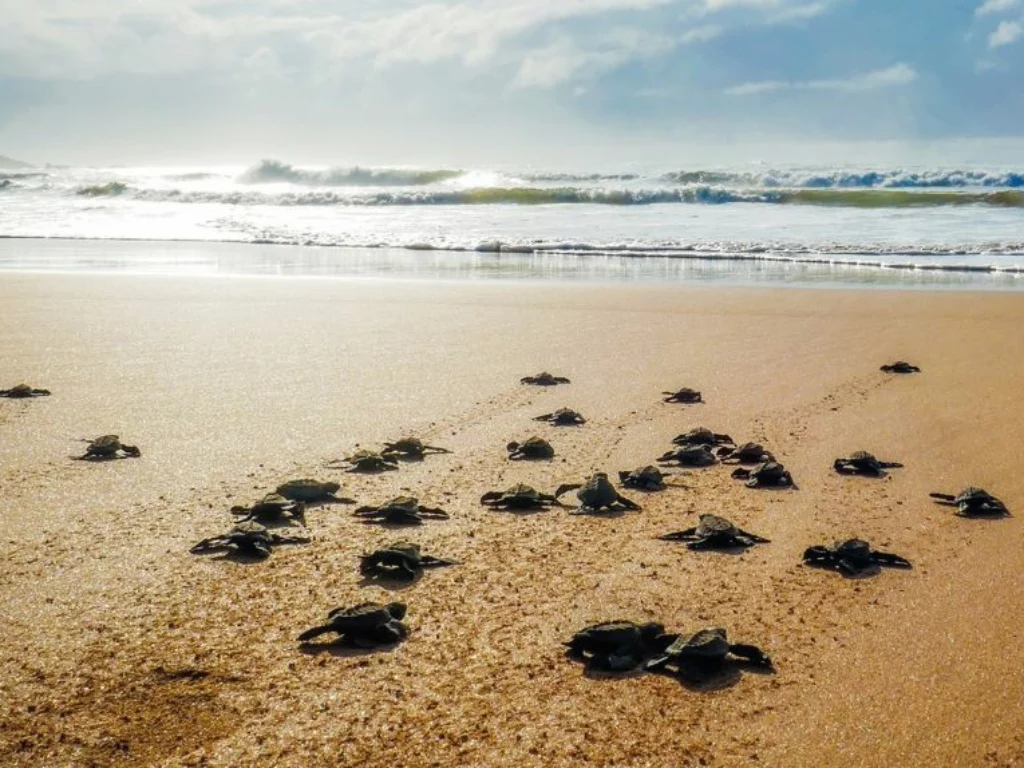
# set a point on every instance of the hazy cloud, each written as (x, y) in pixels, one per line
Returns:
(898, 74)
(1006, 33)
(995, 6)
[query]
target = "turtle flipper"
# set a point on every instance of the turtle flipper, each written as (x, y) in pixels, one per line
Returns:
(817, 555)
(435, 449)
(679, 535)
(894, 561)
(434, 512)
(429, 561)
(740, 474)
(543, 417)
(941, 497)
(309, 634)
(752, 654)
(566, 487)
(754, 538)
(890, 465)
(211, 544)
(627, 503)
(491, 496)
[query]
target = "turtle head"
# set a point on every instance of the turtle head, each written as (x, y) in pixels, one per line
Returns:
(397, 610)
(651, 631)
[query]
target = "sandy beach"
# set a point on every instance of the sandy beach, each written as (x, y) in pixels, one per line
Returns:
(120, 648)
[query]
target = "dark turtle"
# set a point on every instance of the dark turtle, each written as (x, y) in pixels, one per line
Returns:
(518, 497)
(271, 508)
(684, 395)
(247, 538)
(748, 453)
(770, 474)
(597, 494)
(401, 510)
(366, 461)
(715, 532)
(312, 491)
(702, 436)
(706, 648)
(863, 463)
(973, 501)
(22, 391)
(108, 447)
(531, 448)
(900, 366)
(616, 646)
(365, 625)
(563, 417)
(544, 379)
(689, 456)
(410, 447)
(399, 560)
(647, 478)
(853, 557)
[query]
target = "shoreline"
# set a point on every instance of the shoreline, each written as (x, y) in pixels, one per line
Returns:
(124, 649)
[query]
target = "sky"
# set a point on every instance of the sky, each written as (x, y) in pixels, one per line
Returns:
(230, 81)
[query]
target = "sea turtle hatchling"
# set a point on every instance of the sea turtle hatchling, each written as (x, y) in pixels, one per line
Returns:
(714, 532)
(401, 510)
(410, 448)
(519, 497)
(747, 453)
(366, 461)
(366, 625)
(272, 508)
(770, 474)
(704, 649)
(617, 646)
(108, 447)
(863, 463)
(684, 395)
(900, 366)
(597, 494)
(972, 502)
(563, 417)
(702, 436)
(853, 557)
(531, 448)
(647, 478)
(247, 538)
(689, 456)
(544, 379)
(399, 560)
(22, 391)
(312, 491)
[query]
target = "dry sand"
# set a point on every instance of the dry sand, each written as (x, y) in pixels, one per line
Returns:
(120, 648)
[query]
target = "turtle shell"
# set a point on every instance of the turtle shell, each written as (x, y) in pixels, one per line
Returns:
(856, 551)
(307, 489)
(607, 636)
(696, 436)
(973, 494)
(533, 446)
(710, 524)
(708, 644)
(401, 503)
(365, 616)
(598, 491)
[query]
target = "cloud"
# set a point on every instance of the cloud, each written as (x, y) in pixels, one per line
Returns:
(995, 6)
(1006, 33)
(898, 74)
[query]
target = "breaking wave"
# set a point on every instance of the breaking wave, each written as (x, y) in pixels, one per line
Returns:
(698, 194)
(275, 172)
(897, 179)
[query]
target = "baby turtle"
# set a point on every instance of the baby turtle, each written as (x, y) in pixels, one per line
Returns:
(597, 495)
(900, 366)
(770, 474)
(531, 448)
(365, 625)
(366, 461)
(702, 436)
(748, 453)
(646, 479)
(863, 463)
(247, 538)
(23, 390)
(684, 395)
(519, 497)
(544, 379)
(563, 417)
(272, 508)
(400, 560)
(108, 447)
(854, 557)
(715, 532)
(972, 502)
(312, 491)
(401, 510)
(410, 448)
(616, 646)
(707, 648)
(690, 456)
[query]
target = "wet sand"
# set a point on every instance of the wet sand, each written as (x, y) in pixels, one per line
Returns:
(120, 648)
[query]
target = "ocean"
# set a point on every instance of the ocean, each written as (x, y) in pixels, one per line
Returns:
(911, 226)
